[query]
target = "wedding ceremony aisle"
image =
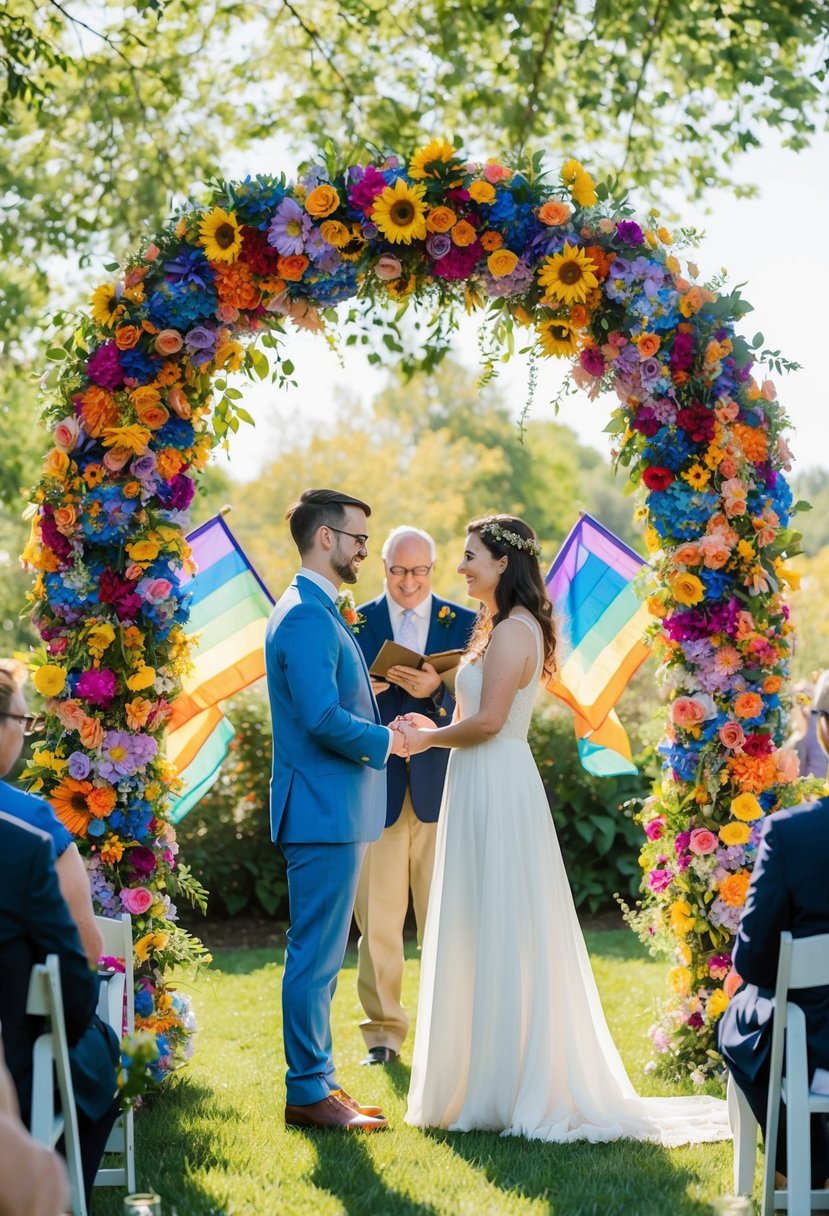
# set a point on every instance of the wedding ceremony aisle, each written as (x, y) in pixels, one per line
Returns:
(215, 1143)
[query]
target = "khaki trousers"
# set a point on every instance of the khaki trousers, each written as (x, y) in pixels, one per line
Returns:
(402, 859)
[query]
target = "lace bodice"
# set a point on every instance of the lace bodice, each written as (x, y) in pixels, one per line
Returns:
(470, 682)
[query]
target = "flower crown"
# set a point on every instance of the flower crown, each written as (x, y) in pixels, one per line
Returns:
(512, 538)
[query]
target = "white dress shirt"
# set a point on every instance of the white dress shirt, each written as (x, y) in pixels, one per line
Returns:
(421, 620)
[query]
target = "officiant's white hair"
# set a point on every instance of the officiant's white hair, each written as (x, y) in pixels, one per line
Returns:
(406, 530)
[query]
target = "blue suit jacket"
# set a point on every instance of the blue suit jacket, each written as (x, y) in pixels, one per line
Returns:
(328, 783)
(34, 922)
(427, 771)
(788, 891)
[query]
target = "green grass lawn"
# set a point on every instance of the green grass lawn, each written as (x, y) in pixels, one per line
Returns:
(215, 1142)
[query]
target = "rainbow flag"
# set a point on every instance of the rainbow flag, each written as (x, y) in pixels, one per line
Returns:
(229, 609)
(602, 623)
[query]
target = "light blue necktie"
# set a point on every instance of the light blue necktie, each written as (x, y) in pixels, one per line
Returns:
(408, 630)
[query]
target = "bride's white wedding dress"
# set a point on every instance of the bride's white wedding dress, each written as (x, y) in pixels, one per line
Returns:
(511, 1035)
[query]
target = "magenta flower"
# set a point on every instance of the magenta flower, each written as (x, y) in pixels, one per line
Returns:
(104, 366)
(97, 686)
(137, 900)
(362, 194)
(660, 880)
(592, 360)
(629, 233)
(459, 262)
(655, 828)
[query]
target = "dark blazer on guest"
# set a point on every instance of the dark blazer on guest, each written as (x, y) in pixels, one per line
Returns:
(34, 922)
(789, 891)
(426, 771)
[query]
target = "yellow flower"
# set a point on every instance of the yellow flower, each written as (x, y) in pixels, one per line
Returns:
(322, 201)
(734, 833)
(100, 636)
(399, 212)
(143, 550)
(106, 307)
(697, 476)
(679, 979)
(557, 338)
(502, 262)
(687, 589)
(49, 680)
(717, 1004)
(787, 575)
(746, 807)
(429, 160)
(579, 182)
(745, 550)
(682, 920)
(335, 233)
(142, 679)
(135, 438)
(482, 192)
(220, 236)
(569, 275)
(653, 541)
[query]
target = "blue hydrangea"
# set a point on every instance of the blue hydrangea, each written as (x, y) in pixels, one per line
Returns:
(175, 306)
(176, 433)
(139, 365)
(255, 199)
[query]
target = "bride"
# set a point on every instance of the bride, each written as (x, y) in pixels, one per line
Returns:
(510, 1033)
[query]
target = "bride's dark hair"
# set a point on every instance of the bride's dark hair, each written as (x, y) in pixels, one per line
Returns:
(521, 583)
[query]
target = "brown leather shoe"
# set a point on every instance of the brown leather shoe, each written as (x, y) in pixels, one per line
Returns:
(331, 1113)
(373, 1112)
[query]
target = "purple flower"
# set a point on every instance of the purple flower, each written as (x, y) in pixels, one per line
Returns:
(650, 370)
(289, 228)
(629, 233)
(143, 467)
(659, 880)
(200, 338)
(141, 862)
(124, 754)
(438, 245)
(104, 366)
(78, 766)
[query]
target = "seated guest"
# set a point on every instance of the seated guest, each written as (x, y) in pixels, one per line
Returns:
(15, 722)
(32, 1177)
(788, 892)
(35, 921)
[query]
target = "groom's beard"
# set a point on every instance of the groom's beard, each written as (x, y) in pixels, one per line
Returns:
(346, 568)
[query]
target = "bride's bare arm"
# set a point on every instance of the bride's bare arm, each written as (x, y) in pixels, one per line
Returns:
(510, 658)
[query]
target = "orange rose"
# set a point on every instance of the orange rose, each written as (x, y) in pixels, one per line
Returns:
(501, 263)
(440, 219)
(322, 201)
(178, 403)
(91, 733)
(153, 416)
(56, 464)
(748, 705)
(579, 316)
(734, 888)
(131, 489)
(292, 267)
(482, 192)
(464, 234)
(126, 336)
(492, 240)
(687, 555)
(65, 520)
(335, 233)
(648, 345)
(168, 342)
(772, 684)
(555, 213)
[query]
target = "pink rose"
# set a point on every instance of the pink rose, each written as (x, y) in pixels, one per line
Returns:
(702, 841)
(66, 434)
(155, 589)
(137, 900)
(655, 828)
(168, 342)
(788, 765)
(227, 313)
(495, 172)
(687, 711)
(388, 268)
(116, 458)
(151, 253)
(732, 735)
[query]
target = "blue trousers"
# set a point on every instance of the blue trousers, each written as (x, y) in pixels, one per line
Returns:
(322, 883)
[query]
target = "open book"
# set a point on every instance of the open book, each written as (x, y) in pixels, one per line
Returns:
(392, 654)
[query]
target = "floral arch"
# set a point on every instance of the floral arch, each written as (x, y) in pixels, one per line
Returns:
(139, 398)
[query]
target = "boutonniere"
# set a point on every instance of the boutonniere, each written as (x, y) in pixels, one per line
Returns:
(348, 611)
(446, 616)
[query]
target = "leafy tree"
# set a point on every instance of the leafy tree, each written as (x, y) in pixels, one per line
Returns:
(809, 617)
(812, 485)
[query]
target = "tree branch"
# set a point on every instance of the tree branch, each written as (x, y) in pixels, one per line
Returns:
(529, 112)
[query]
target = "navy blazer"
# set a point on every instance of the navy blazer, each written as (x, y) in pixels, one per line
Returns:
(426, 771)
(34, 922)
(788, 892)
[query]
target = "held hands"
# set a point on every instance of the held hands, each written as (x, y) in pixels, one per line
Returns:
(414, 730)
(417, 682)
(399, 746)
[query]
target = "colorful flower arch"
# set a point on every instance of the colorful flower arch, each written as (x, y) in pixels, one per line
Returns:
(140, 396)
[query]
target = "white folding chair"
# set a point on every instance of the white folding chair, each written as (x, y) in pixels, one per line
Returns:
(803, 963)
(50, 1061)
(116, 1005)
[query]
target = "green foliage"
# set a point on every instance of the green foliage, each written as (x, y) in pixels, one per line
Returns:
(226, 838)
(593, 816)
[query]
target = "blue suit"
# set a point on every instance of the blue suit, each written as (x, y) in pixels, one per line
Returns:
(328, 797)
(426, 772)
(788, 891)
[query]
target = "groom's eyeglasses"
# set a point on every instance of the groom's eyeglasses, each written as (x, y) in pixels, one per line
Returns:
(360, 537)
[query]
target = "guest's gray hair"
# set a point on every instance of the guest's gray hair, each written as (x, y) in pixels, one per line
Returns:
(403, 531)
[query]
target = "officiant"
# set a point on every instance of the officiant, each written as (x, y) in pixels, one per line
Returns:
(401, 860)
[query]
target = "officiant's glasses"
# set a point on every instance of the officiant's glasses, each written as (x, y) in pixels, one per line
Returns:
(417, 571)
(31, 722)
(360, 537)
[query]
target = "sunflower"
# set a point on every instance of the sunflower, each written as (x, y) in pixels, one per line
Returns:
(70, 800)
(569, 275)
(220, 236)
(400, 212)
(428, 161)
(106, 307)
(580, 184)
(558, 337)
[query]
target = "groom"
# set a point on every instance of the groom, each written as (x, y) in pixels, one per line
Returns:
(328, 791)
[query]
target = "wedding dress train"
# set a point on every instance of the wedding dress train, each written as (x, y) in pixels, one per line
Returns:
(511, 1035)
